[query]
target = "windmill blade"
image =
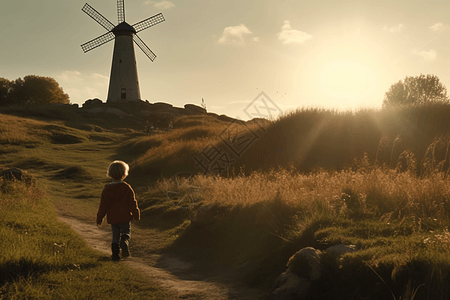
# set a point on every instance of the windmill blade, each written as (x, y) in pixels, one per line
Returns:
(103, 39)
(139, 26)
(144, 47)
(121, 11)
(91, 12)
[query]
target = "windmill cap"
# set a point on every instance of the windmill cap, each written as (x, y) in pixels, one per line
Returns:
(123, 28)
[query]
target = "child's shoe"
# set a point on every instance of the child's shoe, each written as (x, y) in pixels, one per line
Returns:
(125, 245)
(115, 251)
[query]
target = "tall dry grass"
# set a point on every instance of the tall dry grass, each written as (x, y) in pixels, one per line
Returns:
(312, 139)
(172, 152)
(379, 193)
(398, 220)
(168, 158)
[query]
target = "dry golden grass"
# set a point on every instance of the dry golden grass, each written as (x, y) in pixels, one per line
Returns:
(175, 151)
(198, 120)
(316, 138)
(140, 145)
(399, 220)
(382, 193)
(169, 158)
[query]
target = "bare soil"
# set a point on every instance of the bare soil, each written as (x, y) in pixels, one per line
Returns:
(170, 272)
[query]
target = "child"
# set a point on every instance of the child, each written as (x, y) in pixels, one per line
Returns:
(119, 204)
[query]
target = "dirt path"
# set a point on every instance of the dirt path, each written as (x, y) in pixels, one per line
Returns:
(182, 286)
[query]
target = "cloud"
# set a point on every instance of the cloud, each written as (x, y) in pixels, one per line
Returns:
(69, 76)
(81, 87)
(287, 35)
(427, 55)
(76, 77)
(437, 27)
(99, 76)
(164, 4)
(234, 35)
(395, 29)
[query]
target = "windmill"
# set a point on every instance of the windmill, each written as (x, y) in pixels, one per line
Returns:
(123, 82)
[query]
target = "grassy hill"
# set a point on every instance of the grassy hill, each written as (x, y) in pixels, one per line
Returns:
(44, 259)
(314, 178)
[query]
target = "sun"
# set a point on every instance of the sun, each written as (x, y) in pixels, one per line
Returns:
(346, 81)
(344, 72)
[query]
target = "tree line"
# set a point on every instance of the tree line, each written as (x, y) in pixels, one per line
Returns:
(416, 90)
(32, 89)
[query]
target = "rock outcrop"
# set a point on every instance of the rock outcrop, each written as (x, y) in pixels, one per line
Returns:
(17, 174)
(304, 267)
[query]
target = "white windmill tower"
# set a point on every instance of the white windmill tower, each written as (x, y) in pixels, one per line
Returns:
(123, 82)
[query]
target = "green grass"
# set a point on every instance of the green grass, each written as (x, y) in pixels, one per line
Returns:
(43, 258)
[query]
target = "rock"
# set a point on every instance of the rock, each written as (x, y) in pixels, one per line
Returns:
(108, 110)
(304, 267)
(341, 249)
(17, 174)
(92, 103)
(11, 173)
(161, 105)
(306, 263)
(290, 286)
(194, 108)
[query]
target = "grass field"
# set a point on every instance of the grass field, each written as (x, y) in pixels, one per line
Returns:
(314, 178)
(44, 259)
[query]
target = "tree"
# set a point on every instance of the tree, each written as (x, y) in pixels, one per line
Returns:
(416, 90)
(5, 88)
(34, 89)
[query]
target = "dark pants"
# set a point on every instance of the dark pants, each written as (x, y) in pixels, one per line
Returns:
(119, 230)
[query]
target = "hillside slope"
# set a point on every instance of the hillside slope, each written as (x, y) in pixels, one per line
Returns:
(390, 205)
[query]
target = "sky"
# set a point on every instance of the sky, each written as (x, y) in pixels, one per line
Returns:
(332, 54)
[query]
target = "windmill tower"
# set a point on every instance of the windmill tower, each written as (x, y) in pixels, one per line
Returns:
(123, 81)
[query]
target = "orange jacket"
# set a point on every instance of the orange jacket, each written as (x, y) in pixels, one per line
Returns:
(118, 202)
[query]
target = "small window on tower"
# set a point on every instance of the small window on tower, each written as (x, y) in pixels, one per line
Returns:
(123, 94)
